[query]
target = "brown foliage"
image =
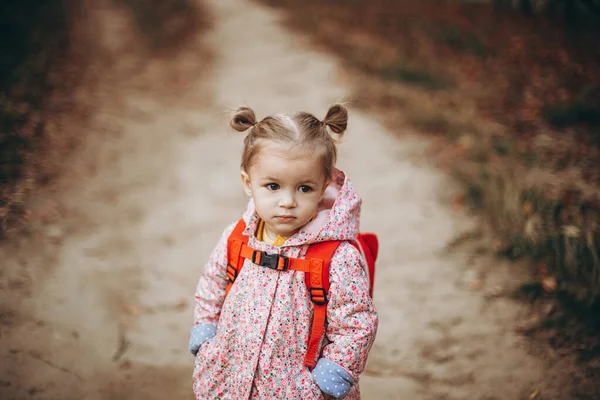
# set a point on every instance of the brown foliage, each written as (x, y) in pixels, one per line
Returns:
(515, 66)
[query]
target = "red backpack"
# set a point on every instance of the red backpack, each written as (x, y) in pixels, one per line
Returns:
(315, 266)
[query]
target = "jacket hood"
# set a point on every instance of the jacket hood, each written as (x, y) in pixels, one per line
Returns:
(338, 215)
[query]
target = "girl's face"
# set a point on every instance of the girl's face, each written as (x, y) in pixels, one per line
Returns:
(286, 187)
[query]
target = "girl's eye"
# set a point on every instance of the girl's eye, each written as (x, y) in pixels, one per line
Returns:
(272, 186)
(305, 189)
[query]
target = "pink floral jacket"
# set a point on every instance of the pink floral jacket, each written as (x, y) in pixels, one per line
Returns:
(263, 325)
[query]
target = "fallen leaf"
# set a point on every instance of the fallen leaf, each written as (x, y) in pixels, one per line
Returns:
(132, 310)
(501, 246)
(181, 304)
(54, 232)
(466, 142)
(458, 201)
(126, 364)
(571, 231)
(549, 309)
(492, 292)
(542, 269)
(527, 208)
(534, 394)
(549, 284)
(28, 215)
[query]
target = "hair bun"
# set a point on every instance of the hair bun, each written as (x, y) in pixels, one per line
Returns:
(243, 119)
(337, 118)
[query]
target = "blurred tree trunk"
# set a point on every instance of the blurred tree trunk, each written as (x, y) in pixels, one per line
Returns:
(498, 4)
(593, 7)
(550, 6)
(569, 10)
(526, 7)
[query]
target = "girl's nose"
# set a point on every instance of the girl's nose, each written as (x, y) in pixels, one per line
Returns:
(287, 200)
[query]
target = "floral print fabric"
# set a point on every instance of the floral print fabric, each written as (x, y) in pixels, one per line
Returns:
(264, 324)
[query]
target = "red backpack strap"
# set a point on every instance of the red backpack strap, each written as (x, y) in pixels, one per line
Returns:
(317, 283)
(235, 262)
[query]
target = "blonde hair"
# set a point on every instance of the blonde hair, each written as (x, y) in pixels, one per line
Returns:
(302, 129)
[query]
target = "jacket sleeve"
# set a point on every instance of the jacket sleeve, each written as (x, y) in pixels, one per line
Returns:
(352, 319)
(210, 291)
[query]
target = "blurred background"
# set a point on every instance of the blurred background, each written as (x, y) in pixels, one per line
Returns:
(475, 126)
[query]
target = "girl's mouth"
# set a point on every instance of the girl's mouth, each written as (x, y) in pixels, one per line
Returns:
(285, 218)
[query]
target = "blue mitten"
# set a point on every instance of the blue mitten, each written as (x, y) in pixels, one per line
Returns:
(200, 334)
(332, 379)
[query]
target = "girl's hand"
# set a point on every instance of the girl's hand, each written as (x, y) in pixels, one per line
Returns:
(332, 379)
(199, 334)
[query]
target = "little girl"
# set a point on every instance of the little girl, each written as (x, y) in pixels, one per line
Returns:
(250, 341)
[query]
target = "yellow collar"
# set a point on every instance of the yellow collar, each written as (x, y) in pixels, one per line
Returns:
(263, 236)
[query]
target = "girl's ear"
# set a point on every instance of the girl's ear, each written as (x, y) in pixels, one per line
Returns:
(246, 183)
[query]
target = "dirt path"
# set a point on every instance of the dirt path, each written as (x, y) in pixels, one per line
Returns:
(109, 282)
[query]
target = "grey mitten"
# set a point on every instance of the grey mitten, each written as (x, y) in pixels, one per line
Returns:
(332, 379)
(199, 334)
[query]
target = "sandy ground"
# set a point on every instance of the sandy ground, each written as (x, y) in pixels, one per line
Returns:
(96, 302)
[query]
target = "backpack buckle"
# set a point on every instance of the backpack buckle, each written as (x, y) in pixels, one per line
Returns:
(232, 273)
(320, 297)
(273, 261)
